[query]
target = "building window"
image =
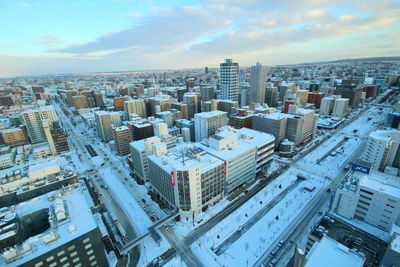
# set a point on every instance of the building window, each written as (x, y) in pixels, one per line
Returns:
(86, 240)
(60, 253)
(75, 260)
(73, 254)
(71, 248)
(40, 263)
(53, 264)
(63, 259)
(88, 246)
(50, 258)
(91, 258)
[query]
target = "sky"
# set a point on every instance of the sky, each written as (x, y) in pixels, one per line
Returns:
(54, 36)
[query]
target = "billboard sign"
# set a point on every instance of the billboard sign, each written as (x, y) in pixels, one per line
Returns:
(359, 168)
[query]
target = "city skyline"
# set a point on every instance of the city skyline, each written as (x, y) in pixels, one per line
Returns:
(46, 37)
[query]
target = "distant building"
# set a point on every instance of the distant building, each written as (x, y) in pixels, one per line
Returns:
(315, 98)
(274, 123)
(271, 96)
(207, 93)
(89, 98)
(229, 80)
(135, 106)
(69, 94)
(257, 83)
(241, 119)
(207, 123)
(98, 99)
(190, 99)
(80, 101)
(142, 130)
(119, 103)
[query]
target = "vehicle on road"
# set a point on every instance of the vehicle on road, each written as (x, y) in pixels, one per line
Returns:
(152, 218)
(280, 243)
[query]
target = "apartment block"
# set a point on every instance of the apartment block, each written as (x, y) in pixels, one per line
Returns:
(207, 123)
(122, 138)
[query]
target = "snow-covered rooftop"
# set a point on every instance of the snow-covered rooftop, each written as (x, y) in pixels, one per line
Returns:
(78, 217)
(330, 253)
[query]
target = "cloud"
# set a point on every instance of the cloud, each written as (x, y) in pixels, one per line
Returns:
(52, 39)
(135, 15)
(205, 33)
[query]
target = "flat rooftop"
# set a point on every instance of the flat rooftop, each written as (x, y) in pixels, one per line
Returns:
(77, 222)
(330, 253)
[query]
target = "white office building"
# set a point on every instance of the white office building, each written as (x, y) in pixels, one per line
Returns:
(238, 157)
(382, 149)
(369, 200)
(340, 107)
(229, 80)
(140, 150)
(207, 123)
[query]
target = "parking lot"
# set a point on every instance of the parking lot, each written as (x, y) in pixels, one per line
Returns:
(352, 238)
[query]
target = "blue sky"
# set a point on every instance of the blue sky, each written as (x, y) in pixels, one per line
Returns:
(54, 36)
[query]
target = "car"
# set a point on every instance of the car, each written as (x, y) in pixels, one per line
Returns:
(246, 191)
(152, 218)
(280, 243)
(103, 164)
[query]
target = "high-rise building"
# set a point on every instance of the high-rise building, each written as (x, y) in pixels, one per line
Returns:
(229, 80)
(119, 103)
(207, 123)
(258, 83)
(382, 149)
(183, 108)
(103, 125)
(135, 106)
(59, 138)
(122, 138)
(340, 107)
(225, 105)
(98, 99)
(274, 123)
(207, 93)
(315, 98)
(80, 101)
(271, 96)
(140, 150)
(139, 90)
(190, 99)
(48, 112)
(34, 126)
(180, 92)
(89, 98)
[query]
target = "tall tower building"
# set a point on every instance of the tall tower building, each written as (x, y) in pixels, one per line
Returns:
(103, 125)
(190, 99)
(34, 126)
(98, 99)
(229, 80)
(207, 123)
(122, 138)
(257, 83)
